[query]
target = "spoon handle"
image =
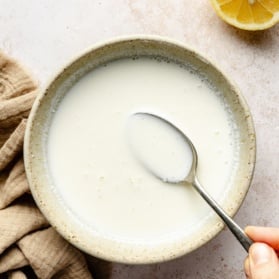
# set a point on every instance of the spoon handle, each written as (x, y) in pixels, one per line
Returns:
(234, 228)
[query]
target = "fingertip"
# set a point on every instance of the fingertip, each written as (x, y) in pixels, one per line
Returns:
(249, 229)
(266, 235)
(246, 229)
(260, 253)
(263, 262)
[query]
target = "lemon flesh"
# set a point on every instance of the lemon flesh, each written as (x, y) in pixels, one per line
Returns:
(248, 14)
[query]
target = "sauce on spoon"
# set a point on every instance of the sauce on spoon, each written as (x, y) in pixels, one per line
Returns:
(159, 147)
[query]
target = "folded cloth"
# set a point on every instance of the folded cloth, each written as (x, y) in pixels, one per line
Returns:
(26, 238)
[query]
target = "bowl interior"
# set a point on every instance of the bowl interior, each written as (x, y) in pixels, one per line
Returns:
(45, 194)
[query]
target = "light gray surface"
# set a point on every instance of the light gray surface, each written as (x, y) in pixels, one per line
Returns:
(44, 35)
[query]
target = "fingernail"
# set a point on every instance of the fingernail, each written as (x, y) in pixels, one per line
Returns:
(260, 253)
(247, 267)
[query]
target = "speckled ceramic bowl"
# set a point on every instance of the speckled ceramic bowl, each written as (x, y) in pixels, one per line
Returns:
(53, 207)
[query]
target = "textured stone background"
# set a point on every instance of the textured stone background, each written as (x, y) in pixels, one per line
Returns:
(44, 35)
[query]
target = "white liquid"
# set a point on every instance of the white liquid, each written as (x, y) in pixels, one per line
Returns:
(96, 173)
(159, 147)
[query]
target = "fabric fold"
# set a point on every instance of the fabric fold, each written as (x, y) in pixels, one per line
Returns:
(17, 220)
(55, 257)
(17, 275)
(12, 146)
(12, 259)
(15, 185)
(12, 111)
(14, 80)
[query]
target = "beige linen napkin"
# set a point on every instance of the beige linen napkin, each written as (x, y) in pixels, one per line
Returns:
(26, 238)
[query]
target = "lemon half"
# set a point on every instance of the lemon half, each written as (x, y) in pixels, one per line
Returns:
(248, 14)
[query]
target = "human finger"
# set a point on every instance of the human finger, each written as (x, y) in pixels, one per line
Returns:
(267, 235)
(263, 262)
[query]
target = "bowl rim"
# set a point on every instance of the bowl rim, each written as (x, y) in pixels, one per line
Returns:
(126, 256)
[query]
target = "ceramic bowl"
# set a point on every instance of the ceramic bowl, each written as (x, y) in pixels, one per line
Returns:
(55, 210)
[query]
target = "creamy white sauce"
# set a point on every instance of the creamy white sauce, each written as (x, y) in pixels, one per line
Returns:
(96, 173)
(159, 147)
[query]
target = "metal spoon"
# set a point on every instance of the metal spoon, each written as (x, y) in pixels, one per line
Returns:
(191, 179)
